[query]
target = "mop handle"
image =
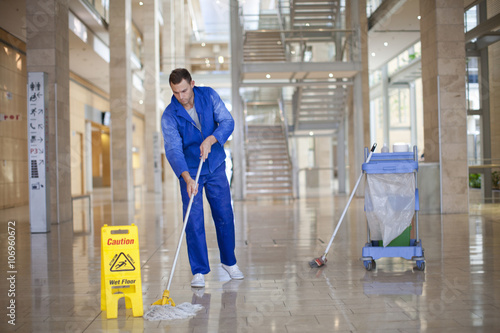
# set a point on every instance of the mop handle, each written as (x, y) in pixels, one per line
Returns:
(184, 227)
(348, 202)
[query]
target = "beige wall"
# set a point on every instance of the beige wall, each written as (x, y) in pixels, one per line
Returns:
(82, 93)
(13, 132)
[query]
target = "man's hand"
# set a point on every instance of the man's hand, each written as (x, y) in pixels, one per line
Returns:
(206, 147)
(191, 186)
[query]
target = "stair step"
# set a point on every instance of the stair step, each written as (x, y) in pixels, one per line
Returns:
(270, 192)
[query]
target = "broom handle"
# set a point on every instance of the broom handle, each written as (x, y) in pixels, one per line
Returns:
(348, 203)
(184, 227)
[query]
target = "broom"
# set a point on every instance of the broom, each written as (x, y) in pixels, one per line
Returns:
(165, 308)
(320, 261)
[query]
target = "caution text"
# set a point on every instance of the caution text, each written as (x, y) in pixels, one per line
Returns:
(123, 241)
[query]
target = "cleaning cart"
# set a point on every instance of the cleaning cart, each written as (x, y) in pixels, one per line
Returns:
(391, 204)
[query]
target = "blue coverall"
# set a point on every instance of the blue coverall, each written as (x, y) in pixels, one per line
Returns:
(182, 141)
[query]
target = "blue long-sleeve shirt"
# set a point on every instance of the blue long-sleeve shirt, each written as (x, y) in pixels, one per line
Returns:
(182, 138)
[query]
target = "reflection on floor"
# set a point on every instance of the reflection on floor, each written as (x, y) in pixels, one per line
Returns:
(57, 279)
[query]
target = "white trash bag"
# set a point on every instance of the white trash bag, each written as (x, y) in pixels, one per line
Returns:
(389, 204)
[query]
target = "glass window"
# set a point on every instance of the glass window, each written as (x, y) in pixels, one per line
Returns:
(472, 85)
(474, 154)
(470, 19)
(399, 107)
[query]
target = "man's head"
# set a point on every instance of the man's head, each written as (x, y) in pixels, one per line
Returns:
(182, 87)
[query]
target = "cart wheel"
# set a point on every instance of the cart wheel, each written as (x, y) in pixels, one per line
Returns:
(370, 265)
(420, 265)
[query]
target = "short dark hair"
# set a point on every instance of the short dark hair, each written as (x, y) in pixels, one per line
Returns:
(178, 75)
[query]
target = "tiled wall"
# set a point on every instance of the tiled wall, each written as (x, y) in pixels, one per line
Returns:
(13, 130)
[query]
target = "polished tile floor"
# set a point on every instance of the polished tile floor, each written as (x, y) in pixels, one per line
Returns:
(58, 276)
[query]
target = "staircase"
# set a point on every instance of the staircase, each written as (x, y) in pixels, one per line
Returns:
(314, 14)
(263, 46)
(268, 170)
(320, 107)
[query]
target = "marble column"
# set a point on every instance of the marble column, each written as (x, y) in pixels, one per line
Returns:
(120, 46)
(180, 27)
(359, 110)
(151, 62)
(445, 116)
(493, 87)
(168, 46)
(47, 50)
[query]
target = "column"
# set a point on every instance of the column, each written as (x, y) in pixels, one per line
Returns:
(151, 62)
(359, 119)
(180, 27)
(445, 117)
(237, 144)
(341, 174)
(120, 25)
(47, 51)
(167, 43)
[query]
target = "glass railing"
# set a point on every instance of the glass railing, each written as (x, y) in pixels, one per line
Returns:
(312, 42)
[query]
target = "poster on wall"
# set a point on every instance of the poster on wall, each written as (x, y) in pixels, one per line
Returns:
(37, 152)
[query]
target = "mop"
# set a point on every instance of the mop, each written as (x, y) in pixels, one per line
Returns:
(320, 261)
(165, 308)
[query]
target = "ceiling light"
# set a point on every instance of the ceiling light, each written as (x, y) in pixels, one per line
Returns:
(221, 59)
(385, 43)
(307, 24)
(141, 3)
(419, 17)
(330, 75)
(311, 133)
(373, 54)
(268, 76)
(203, 44)
(141, 101)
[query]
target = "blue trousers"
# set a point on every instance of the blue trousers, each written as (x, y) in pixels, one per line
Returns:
(216, 187)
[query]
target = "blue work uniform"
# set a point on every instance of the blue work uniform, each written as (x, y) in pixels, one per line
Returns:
(182, 141)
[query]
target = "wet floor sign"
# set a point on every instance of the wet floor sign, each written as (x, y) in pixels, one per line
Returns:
(120, 269)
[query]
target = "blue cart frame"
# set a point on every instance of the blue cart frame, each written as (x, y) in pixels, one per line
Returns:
(389, 163)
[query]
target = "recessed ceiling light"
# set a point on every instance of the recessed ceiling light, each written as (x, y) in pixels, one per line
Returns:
(268, 76)
(373, 54)
(141, 101)
(203, 44)
(141, 3)
(385, 43)
(311, 133)
(419, 17)
(330, 75)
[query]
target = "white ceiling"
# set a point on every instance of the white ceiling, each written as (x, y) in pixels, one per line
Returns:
(400, 31)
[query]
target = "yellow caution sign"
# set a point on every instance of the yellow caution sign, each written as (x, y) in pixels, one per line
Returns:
(120, 269)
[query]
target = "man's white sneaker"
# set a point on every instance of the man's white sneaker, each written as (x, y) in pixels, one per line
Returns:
(234, 272)
(198, 281)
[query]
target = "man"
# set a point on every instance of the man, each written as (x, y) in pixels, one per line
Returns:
(195, 126)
